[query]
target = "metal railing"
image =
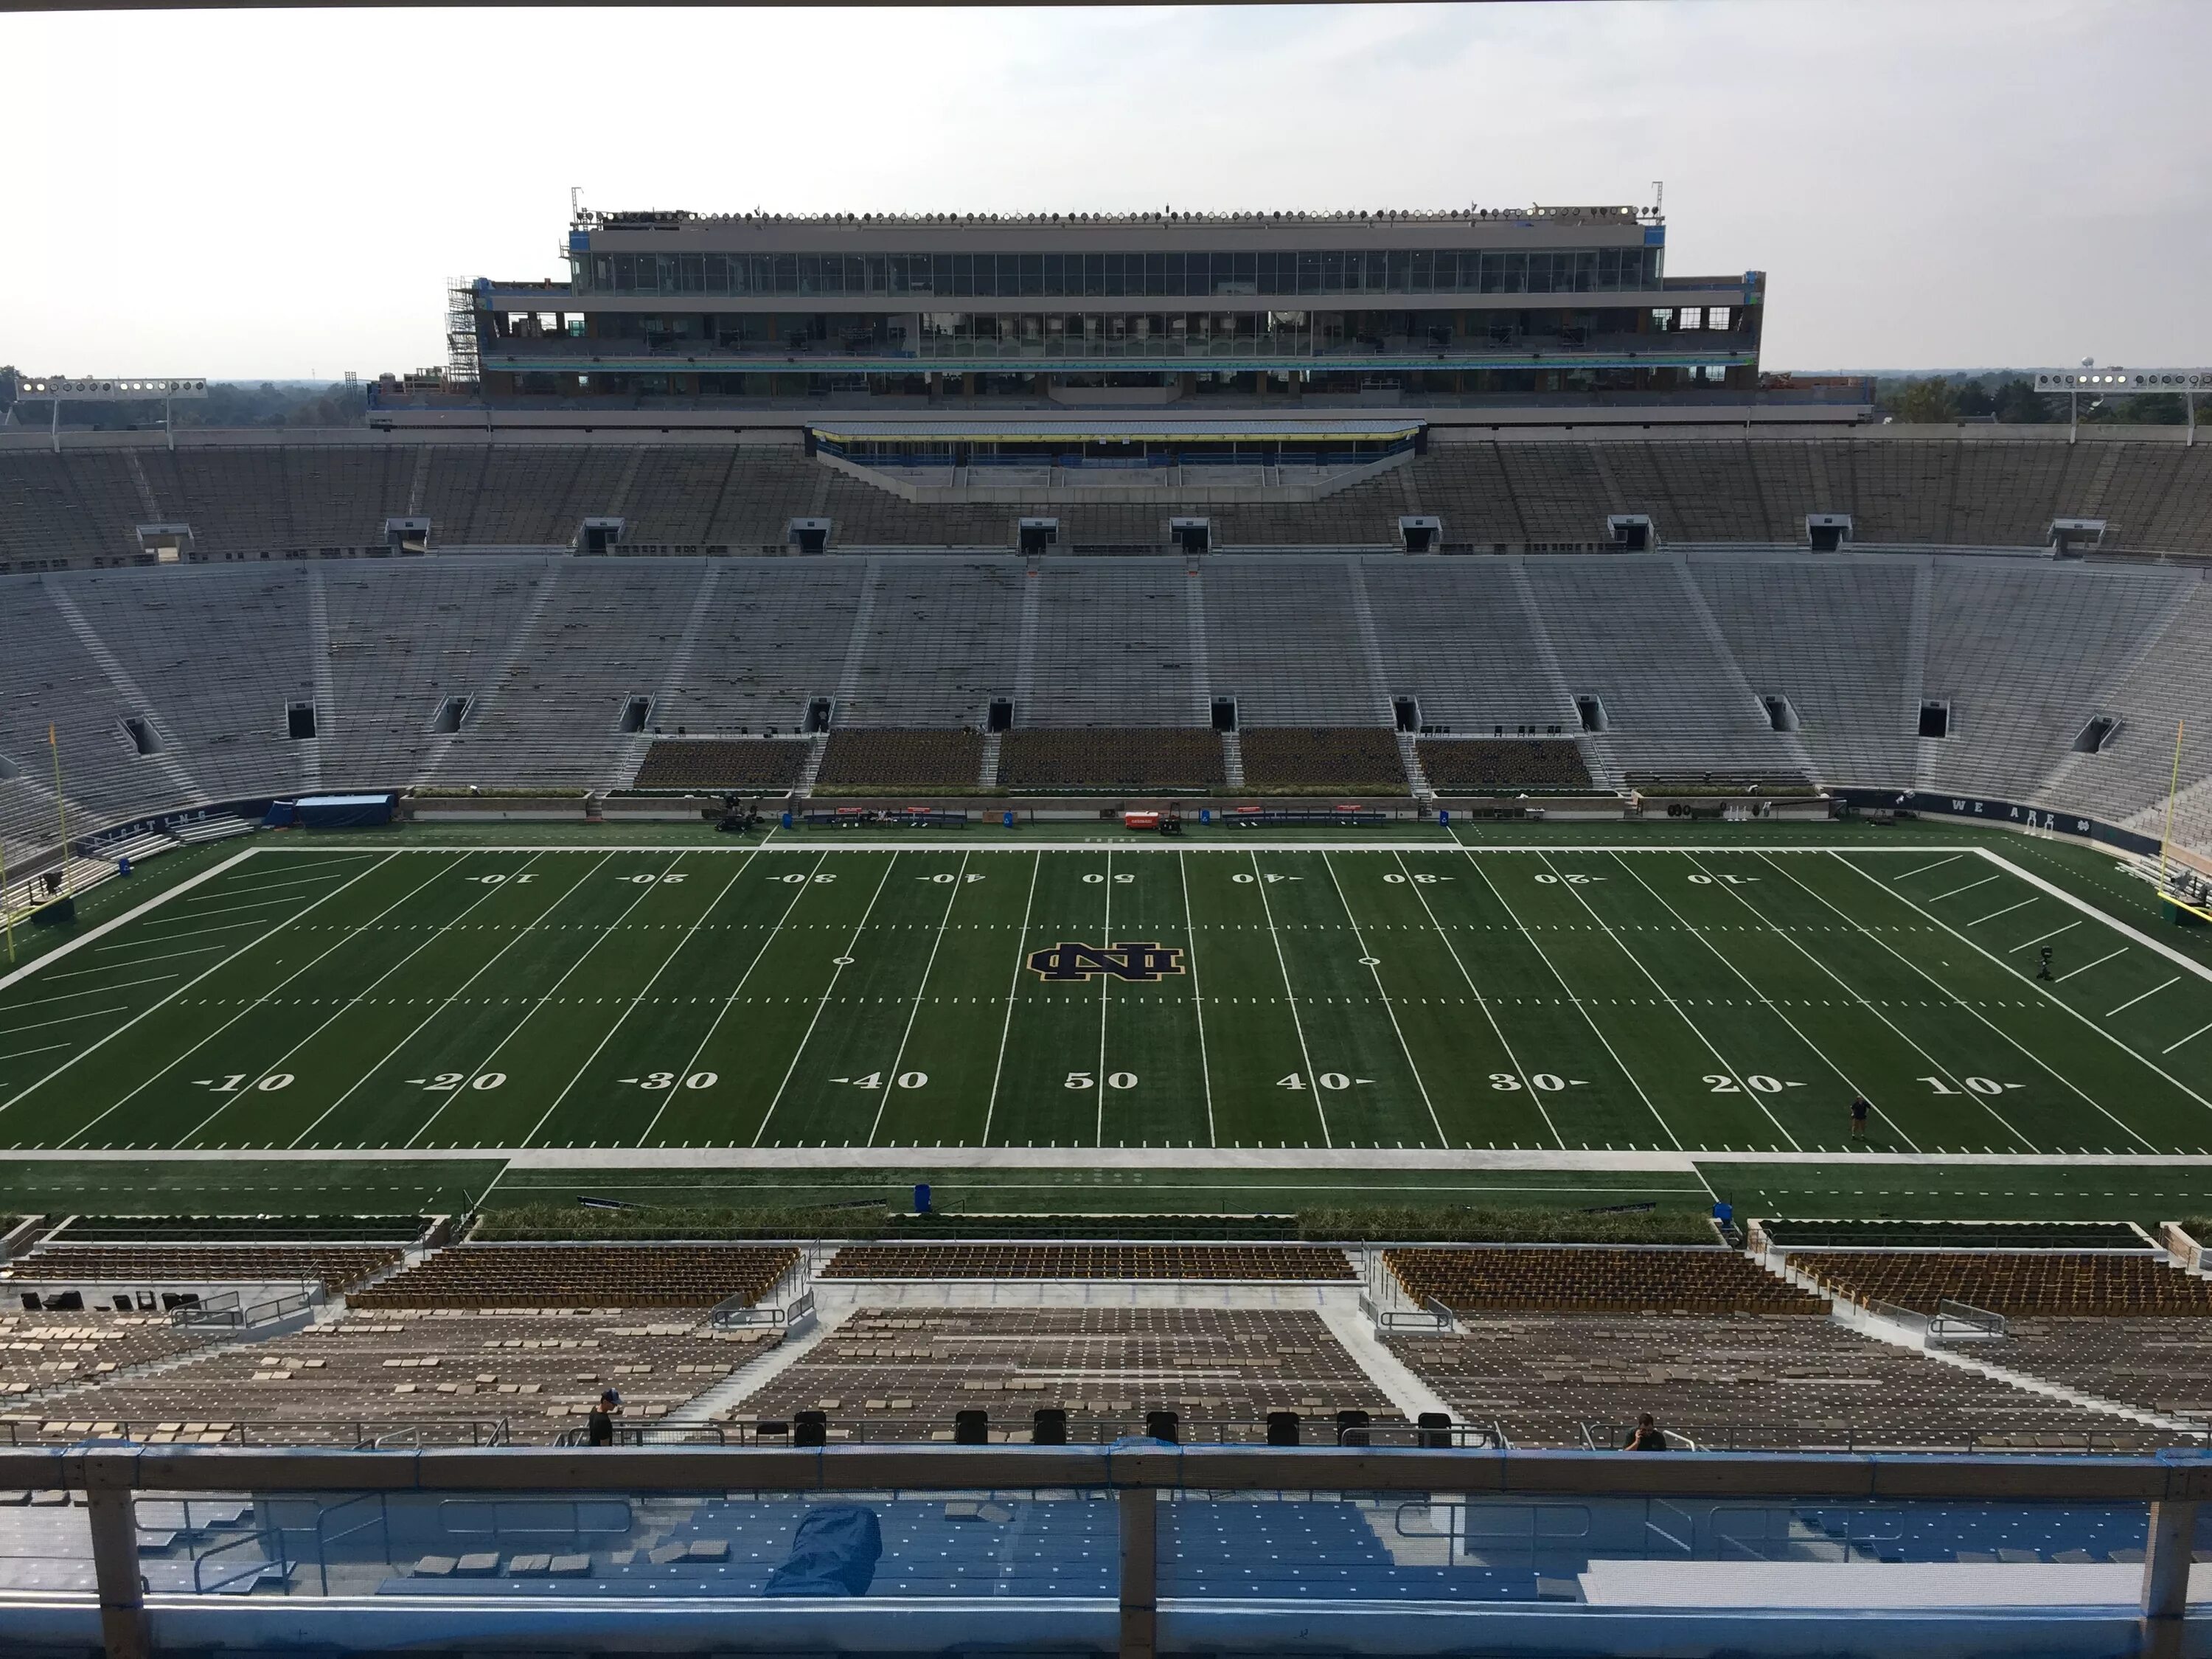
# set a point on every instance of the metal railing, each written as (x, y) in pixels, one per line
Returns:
(359, 1434)
(1135, 1474)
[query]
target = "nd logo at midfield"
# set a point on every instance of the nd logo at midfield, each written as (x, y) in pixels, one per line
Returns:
(1132, 959)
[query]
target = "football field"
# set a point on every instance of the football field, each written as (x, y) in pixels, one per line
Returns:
(1301, 1004)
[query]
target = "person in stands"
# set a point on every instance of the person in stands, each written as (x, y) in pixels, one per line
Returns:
(1648, 1436)
(599, 1427)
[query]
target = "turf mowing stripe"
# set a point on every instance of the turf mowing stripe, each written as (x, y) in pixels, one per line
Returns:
(2131, 1001)
(798, 891)
(1862, 1001)
(1696, 1030)
(644, 890)
(1021, 955)
(936, 942)
(890, 864)
(213, 968)
(1751, 985)
(483, 967)
(1634, 1081)
(347, 1006)
(1359, 939)
(1197, 998)
(1290, 997)
(630, 1007)
(1962, 1003)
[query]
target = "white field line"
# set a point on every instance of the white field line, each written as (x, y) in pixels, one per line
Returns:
(172, 937)
(1982, 882)
(1021, 954)
(645, 889)
(631, 1006)
(2007, 911)
(64, 1020)
(346, 936)
(2145, 997)
(1375, 968)
(296, 881)
(1861, 999)
(88, 991)
(2012, 950)
(1588, 1019)
(1105, 986)
(129, 915)
(898, 1057)
(1298, 1022)
(1157, 845)
(606, 1161)
(446, 1001)
(2086, 966)
(2126, 930)
(1696, 1030)
(24, 1053)
(189, 913)
(1925, 868)
(837, 973)
(2192, 1037)
(691, 1065)
(268, 933)
(1197, 1000)
(1749, 984)
(140, 962)
(346, 1007)
(1483, 1003)
(2052, 997)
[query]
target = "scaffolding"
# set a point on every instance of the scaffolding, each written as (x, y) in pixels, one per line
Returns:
(463, 364)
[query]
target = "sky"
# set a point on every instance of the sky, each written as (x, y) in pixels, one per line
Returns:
(1933, 183)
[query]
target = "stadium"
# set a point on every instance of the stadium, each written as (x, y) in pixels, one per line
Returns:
(774, 970)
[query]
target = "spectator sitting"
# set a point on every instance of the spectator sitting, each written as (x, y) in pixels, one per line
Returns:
(1648, 1438)
(600, 1427)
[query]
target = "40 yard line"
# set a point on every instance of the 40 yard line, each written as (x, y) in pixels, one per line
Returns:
(1021, 954)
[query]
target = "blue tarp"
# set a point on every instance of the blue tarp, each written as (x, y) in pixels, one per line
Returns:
(834, 1552)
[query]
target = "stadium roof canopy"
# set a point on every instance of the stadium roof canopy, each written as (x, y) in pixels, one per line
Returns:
(1116, 429)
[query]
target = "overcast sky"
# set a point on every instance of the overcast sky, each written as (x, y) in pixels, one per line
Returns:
(1930, 184)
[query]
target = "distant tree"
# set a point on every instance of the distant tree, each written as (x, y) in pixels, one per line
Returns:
(1973, 398)
(2019, 401)
(1928, 402)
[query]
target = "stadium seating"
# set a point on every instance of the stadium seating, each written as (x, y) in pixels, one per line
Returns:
(44, 1350)
(1451, 764)
(1111, 758)
(337, 1267)
(902, 759)
(721, 763)
(583, 1276)
(1362, 759)
(1119, 1261)
(2157, 1364)
(1691, 1280)
(2010, 1281)
(901, 1375)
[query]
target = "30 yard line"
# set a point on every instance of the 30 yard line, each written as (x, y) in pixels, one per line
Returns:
(898, 1057)
(1695, 1030)
(1483, 1003)
(1291, 996)
(271, 932)
(836, 973)
(1197, 1000)
(1589, 1019)
(1021, 953)
(1375, 969)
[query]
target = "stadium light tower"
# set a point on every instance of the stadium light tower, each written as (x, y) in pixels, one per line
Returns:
(56, 390)
(2116, 382)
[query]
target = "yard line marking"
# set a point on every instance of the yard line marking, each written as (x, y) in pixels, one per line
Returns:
(1848, 1081)
(1968, 888)
(88, 991)
(234, 956)
(64, 1020)
(2086, 966)
(631, 1006)
(836, 973)
(1105, 980)
(1851, 990)
(226, 910)
(296, 881)
(24, 1053)
(346, 936)
(2131, 1001)
(197, 933)
(446, 1001)
(2049, 996)
(1375, 969)
(1925, 868)
(140, 962)
(1482, 1002)
(2192, 1037)
(716, 1024)
(2016, 948)
(1197, 1001)
(1588, 1019)
(1695, 1030)
(346, 1005)
(1021, 950)
(2007, 911)
(1290, 996)
(914, 1013)
(645, 891)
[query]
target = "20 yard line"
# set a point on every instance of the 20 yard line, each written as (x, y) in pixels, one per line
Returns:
(1375, 968)
(1021, 952)
(851, 945)
(1197, 1001)
(1291, 997)
(899, 1056)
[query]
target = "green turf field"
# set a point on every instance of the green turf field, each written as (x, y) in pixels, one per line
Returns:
(1235, 1023)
